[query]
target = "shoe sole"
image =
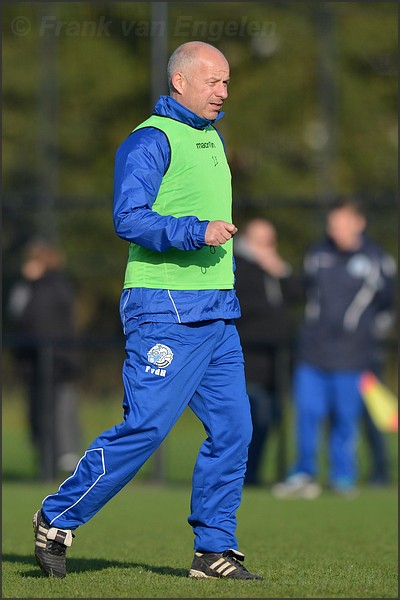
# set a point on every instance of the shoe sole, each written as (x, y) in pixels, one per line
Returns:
(200, 575)
(193, 573)
(308, 493)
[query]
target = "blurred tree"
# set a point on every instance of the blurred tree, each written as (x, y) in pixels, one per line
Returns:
(272, 128)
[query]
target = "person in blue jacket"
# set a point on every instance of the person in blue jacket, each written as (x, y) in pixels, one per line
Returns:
(172, 203)
(349, 286)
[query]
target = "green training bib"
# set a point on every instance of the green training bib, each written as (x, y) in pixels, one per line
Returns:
(197, 183)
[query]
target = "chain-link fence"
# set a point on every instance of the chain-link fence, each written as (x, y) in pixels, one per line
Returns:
(97, 275)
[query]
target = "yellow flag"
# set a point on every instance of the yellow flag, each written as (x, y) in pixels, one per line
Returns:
(381, 403)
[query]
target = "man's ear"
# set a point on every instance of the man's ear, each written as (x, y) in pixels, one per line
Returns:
(178, 82)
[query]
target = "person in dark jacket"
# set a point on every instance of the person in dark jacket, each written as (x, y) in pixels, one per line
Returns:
(267, 287)
(41, 306)
(349, 282)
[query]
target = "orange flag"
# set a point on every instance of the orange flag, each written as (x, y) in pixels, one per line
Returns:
(381, 403)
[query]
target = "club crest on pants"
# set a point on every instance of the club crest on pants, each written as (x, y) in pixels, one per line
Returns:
(160, 355)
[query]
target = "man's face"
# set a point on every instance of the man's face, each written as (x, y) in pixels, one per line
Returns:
(345, 227)
(203, 88)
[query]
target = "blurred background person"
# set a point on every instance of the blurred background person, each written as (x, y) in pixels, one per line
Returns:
(266, 286)
(41, 306)
(350, 285)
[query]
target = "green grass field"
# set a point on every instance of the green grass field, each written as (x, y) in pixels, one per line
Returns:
(140, 545)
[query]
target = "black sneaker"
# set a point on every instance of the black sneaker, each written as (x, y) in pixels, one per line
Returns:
(220, 564)
(51, 546)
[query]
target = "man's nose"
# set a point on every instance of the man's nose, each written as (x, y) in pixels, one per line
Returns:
(222, 91)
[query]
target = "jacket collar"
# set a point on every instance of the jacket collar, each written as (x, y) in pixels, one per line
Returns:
(169, 107)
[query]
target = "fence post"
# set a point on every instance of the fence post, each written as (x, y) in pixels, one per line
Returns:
(282, 375)
(159, 85)
(47, 466)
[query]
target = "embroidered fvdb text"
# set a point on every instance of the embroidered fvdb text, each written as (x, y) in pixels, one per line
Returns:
(160, 356)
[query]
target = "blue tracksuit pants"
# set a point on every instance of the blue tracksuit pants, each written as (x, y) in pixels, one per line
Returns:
(320, 395)
(167, 367)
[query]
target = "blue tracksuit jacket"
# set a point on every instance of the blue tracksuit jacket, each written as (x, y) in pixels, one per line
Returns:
(347, 295)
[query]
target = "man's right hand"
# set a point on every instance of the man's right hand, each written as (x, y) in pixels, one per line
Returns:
(219, 232)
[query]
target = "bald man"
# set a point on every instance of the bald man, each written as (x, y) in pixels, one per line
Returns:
(173, 205)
